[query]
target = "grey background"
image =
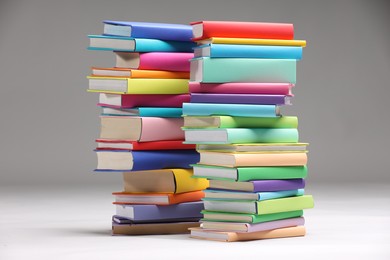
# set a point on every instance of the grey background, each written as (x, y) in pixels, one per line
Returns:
(49, 122)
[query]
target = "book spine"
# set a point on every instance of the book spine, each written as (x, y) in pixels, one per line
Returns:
(159, 74)
(241, 88)
(204, 109)
(280, 194)
(259, 122)
(153, 100)
(249, 41)
(240, 99)
(169, 61)
(160, 112)
(271, 173)
(161, 129)
(219, 70)
(262, 135)
(272, 159)
(269, 234)
(291, 222)
(285, 204)
(151, 160)
(185, 183)
(277, 185)
(155, 45)
(173, 33)
(163, 145)
(157, 86)
(254, 51)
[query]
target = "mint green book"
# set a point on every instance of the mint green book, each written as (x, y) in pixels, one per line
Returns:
(240, 122)
(249, 173)
(241, 135)
(248, 218)
(218, 70)
(260, 207)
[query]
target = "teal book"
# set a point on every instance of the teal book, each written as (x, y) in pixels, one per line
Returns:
(128, 44)
(248, 218)
(143, 111)
(249, 173)
(221, 70)
(248, 51)
(216, 194)
(241, 135)
(208, 109)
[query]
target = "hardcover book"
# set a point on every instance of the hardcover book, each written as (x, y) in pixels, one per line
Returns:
(157, 198)
(254, 147)
(248, 218)
(166, 61)
(241, 88)
(162, 31)
(244, 195)
(218, 70)
(134, 73)
(243, 110)
(153, 228)
(241, 99)
(143, 111)
(258, 185)
(109, 144)
(252, 41)
(142, 100)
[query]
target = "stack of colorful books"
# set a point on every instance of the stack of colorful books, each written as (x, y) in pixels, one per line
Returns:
(241, 75)
(141, 99)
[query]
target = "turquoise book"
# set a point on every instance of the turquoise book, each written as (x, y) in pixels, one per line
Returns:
(128, 44)
(248, 51)
(221, 70)
(216, 194)
(208, 109)
(143, 111)
(241, 135)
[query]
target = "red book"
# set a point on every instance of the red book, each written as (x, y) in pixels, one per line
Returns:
(109, 144)
(140, 100)
(156, 198)
(241, 88)
(232, 29)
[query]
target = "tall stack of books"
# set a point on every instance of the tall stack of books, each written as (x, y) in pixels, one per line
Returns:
(241, 75)
(141, 99)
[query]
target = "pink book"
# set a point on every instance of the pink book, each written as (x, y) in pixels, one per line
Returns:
(171, 61)
(152, 100)
(241, 88)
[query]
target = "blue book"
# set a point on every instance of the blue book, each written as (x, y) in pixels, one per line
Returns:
(143, 111)
(128, 44)
(212, 194)
(248, 51)
(162, 31)
(208, 109)
(189, 211)
(122, 160)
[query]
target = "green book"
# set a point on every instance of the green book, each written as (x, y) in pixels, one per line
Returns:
(260, 207)
(249, 173)
(217, 70)
(240, 122)
(248, 218)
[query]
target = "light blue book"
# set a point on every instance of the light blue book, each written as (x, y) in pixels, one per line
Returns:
(248, 51)
(222, 70)
(143, 111)
(208, 109)
(212, 194)
(241, 135)
(128, 44)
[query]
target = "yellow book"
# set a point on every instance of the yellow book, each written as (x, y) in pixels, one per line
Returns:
(249, 41)
(137, 85)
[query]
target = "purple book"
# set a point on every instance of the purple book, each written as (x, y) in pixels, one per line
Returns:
(248, 228)
(259, 99)
(160, 213)
(258, 185)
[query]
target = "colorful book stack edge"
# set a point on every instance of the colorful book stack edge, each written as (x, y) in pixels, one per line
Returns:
(240, 76)
(141, 101)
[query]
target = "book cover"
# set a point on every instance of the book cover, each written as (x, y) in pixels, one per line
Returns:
(244, 195)
(241, 88)
(141, 129)
(248, 51)
(252, 159)
(137, 86)
(243, 110)
(236, 236)
(143, 111)
(156, 198)
(238, 29)
(119, 43)
(166, 61)
(153, 228)
(149, 30)
(252, 41)
(219, 70)
(241, 135)
(248, 218)
(158, 213)
(250, 173)
(164, 181)
(121, 160)
(142, 100)
(241, 99)
(134, 73)
(109, 144)
(249, 227)
(258, 185)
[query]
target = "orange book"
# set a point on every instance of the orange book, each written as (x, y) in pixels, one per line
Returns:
(156, 198)
(132, 73)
